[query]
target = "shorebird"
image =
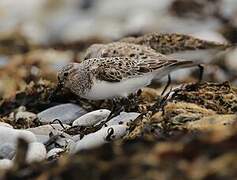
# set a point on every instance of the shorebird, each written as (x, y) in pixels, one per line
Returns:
(121, 49)
(169, 43)
(134, 51)
(111, 77)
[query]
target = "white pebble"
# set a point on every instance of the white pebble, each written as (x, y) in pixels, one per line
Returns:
(5, 124)
(7, 150)
(92, 118)
(28, 116)
(42, 132)
(9, 135)
(54, 152)
(5, 164)
(123, 118)
(36, 152)
(231, 59)
(100, 137)
(8, 140)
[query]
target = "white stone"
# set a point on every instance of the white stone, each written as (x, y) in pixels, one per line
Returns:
(42, 132)
(123, 118)
(5, 164)
(36, 152)
(66, 113)
(48, 128)
(231, 60)
(8, 140)
(5, 124)
(29, 116)
(76, 137)
(99, 138)
(7, 150)
(54, 152)
(9, 135)
(92, 118)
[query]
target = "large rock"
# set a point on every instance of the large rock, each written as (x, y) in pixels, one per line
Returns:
(66, 113)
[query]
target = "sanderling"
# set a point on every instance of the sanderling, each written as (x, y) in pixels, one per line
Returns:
(111, 77)
(121, 49)
(171, 43)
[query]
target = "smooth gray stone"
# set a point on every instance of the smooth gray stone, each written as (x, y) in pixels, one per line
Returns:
(92, 118)
(7, 151)
(9, 135)
(99, 138)
(36, 152)
(5, 164)
(54, 152)
(66, 113)
(123, 118)
(42, 138)
(42, 132)
(9, 138)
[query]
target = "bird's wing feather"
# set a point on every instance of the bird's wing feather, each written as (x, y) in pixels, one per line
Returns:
(115, 69)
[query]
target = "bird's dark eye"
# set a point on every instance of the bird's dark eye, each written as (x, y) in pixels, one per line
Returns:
(65, 74)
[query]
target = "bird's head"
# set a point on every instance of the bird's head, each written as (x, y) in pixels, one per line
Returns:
(64, 74)
(94, 51)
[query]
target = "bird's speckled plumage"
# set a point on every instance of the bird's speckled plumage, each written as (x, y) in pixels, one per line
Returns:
(102, 78)
(173, 42)
(122, 49)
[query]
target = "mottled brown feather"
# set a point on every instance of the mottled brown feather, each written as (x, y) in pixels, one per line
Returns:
(174, 42)
(115, 69)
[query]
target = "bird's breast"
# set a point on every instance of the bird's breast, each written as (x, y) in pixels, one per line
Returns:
(107, 90)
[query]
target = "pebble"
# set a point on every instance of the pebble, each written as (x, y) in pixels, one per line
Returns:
(7, 150)
(9, 135)
(21, 113)
(5, 124)
(28, 116)
(62, 142)
(45, 132)
(66, 113)
(54, 152)
(36, 152)
(5, 164)
(123, 118)
(42, 132)
(99, 138)
(231, 59)
(92, 118)
(9, 138)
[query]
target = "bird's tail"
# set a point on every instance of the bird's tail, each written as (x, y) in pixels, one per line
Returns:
(183, 64)
(175, 65)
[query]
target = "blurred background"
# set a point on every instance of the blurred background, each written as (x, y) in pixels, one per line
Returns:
(37, 37)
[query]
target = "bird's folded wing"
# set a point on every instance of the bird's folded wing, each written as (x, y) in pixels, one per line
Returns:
(124, 67)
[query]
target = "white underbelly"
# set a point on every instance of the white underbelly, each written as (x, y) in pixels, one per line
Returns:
(107, 90)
